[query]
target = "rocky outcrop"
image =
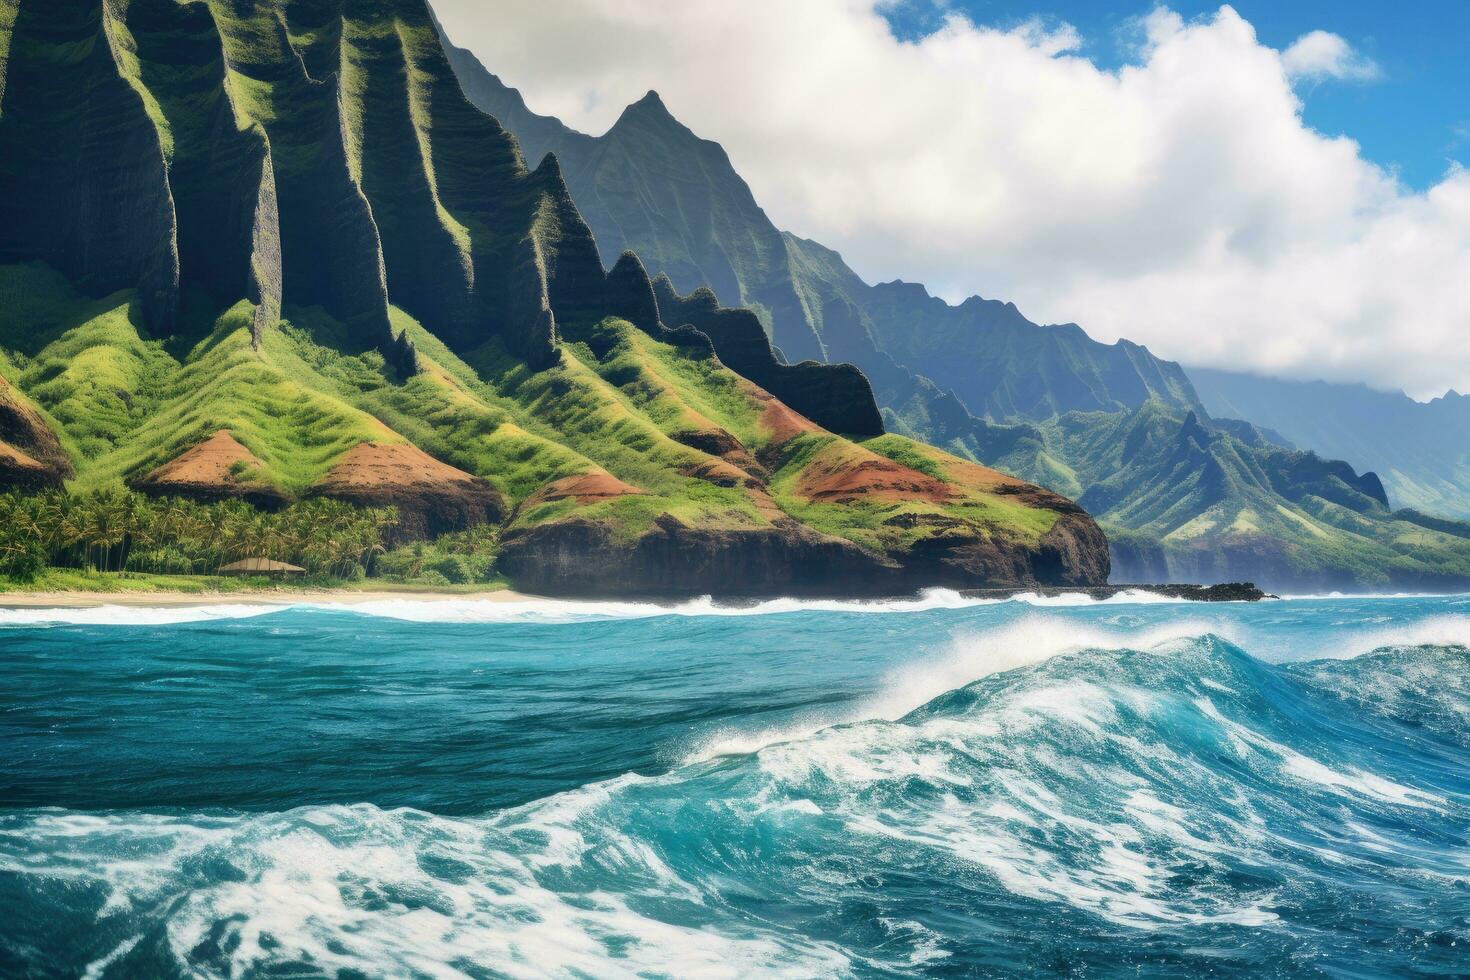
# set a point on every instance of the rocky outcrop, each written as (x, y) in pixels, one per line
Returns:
(582, 557)
(432, 498)
(835, 396)
(630, 295)
(219, 468)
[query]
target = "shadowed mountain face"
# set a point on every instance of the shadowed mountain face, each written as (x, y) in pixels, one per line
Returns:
(1421, 450)
(982, 381)
(267, 249)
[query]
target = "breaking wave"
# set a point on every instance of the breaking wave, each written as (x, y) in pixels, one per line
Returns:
(1088, 798)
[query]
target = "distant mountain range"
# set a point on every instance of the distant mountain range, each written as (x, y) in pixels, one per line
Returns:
(1420, 450)
(1197, 497)
(1188, 498)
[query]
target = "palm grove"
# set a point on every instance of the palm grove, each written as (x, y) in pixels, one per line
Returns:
(113, 530)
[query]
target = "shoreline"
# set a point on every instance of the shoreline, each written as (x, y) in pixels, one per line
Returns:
(284, 597)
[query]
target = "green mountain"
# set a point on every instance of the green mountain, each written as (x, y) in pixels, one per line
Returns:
(1188, 499)
(1420, 450)
(651, 185)
(980, 380)
(266, 250)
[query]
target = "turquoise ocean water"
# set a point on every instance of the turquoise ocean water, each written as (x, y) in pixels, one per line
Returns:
(936, 787)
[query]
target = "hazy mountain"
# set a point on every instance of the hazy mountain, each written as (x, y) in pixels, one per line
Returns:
(1183, 500)
(1420, 450)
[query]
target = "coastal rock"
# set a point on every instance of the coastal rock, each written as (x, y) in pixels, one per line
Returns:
(219, 468)
(432, 498)
(582, 557)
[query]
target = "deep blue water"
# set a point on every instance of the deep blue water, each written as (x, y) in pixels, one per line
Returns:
(938, 788)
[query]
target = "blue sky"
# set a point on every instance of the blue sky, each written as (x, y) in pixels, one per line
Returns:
(1414, 119)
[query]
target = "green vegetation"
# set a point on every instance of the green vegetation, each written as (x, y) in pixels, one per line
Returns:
(110, 531)
(1189, 500)
(310, 242)
(460, 558)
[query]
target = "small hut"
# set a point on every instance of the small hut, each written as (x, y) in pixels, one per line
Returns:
(261, 566)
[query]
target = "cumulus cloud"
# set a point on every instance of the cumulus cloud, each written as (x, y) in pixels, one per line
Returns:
(1179, 201)
(1320, 54)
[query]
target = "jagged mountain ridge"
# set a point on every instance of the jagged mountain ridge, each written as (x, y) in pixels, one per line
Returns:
(652, 185)
(1186, 500)
(1421, 450)
(289, 226)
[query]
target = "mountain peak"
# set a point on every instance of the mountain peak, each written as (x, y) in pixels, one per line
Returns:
(652, 104)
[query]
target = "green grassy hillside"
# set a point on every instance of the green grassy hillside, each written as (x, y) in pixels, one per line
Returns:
(347, 263)
(1184, 500)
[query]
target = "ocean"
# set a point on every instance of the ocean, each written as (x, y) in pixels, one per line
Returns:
(936, 787)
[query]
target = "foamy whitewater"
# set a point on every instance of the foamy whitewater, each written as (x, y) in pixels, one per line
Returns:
(939, 786)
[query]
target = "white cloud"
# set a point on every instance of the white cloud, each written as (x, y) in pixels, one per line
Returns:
(1320, 54)
(1180, 201)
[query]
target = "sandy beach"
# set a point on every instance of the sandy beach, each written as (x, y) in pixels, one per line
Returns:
(282, 597)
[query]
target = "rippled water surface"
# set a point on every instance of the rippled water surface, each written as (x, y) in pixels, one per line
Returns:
(936, 787)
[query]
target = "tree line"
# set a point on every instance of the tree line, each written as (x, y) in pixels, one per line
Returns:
(113, 530)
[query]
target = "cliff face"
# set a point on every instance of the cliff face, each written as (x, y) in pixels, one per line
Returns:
(290, 258)
(82, 171)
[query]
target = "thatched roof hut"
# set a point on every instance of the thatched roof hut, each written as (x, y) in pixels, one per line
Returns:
(261, 566)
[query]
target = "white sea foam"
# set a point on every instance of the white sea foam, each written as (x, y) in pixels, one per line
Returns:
(353, 888)
(544, 611)
(1024, 642)
(120, 615)
(1441, 631)
(1352, 782)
